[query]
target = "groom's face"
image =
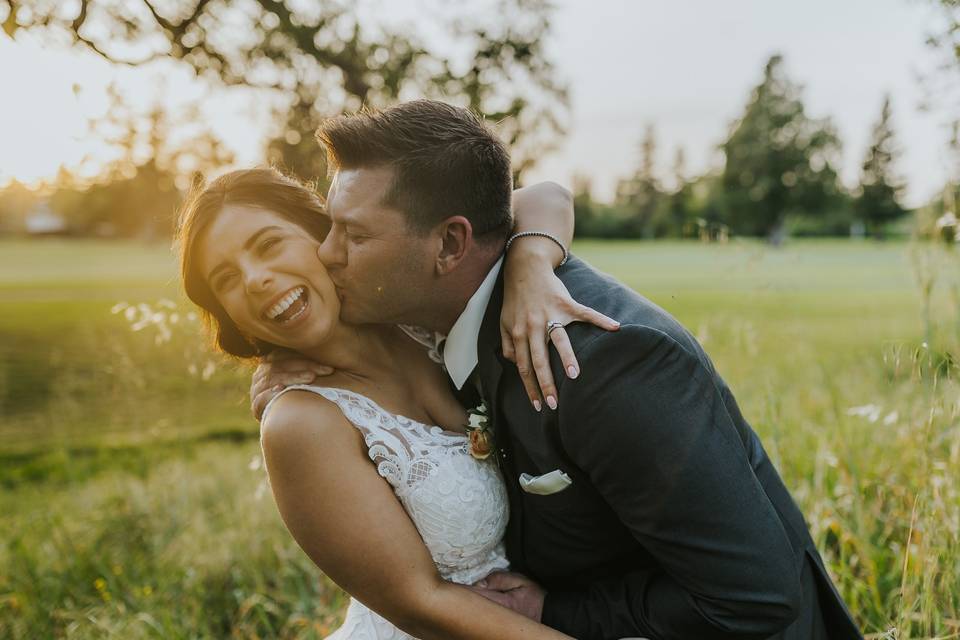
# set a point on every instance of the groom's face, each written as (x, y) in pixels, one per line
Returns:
(380, 267)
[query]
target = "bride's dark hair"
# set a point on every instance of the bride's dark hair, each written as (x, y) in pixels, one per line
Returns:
(262, 188)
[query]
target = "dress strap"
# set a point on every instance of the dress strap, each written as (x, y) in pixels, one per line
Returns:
(388, 445)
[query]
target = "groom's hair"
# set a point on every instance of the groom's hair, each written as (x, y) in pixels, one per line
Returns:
(445, 162)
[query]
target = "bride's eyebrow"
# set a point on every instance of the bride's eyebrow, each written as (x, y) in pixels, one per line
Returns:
(253, 238)
(246, 247)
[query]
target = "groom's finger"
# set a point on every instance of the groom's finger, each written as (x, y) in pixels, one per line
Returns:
(500, 598)
(506, 580)
(260, 401)
(298, 365)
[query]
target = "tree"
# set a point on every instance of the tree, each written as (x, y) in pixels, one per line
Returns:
(878, 200)
(677, 215)
(139, 192)
(320, 59)
(778, 160)
(640, 196)
(16, 202)
(947, 41)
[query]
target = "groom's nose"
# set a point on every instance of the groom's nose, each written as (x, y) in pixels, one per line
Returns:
(332, 251)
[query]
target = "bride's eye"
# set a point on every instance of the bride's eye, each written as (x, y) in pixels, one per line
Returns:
(266, 243)
(222, 281)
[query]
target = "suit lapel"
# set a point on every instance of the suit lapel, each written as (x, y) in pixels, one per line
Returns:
(489, 351)
(490, 364)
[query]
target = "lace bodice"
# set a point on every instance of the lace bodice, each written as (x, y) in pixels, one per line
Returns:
(458, 503)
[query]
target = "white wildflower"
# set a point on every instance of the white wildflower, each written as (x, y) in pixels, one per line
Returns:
(208, 370)
(869, 411)
(946, 220)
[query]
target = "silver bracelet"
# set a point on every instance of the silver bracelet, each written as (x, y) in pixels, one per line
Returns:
(539, 234)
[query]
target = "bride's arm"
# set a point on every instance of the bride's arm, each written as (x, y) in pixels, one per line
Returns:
(533, 295)
(350, 523)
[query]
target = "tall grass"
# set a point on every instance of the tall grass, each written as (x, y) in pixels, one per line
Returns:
(133, 504)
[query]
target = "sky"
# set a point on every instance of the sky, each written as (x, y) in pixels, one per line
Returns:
(686, 67)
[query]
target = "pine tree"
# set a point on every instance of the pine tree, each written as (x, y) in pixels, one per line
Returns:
(878, 201)
(778, 159)
(678, 208)
(640, 196)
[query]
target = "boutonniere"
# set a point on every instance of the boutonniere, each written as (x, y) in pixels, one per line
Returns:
(479, 433)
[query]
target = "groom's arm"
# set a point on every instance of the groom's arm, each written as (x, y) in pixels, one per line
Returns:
(649, 426)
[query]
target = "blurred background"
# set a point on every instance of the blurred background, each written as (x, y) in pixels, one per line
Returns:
(784, 178)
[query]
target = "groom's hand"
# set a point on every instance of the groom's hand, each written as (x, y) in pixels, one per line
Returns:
(278, 370)
(514, 591)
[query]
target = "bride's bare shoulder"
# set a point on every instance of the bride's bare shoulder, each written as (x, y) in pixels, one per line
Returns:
(299, 417)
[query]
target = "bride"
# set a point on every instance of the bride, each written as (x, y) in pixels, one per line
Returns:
(373, 472)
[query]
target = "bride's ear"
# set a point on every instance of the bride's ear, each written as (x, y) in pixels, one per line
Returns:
(455, 235)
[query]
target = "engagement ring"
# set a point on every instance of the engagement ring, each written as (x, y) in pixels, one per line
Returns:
(551, 325)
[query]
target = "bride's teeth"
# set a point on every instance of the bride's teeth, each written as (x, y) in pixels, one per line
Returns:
(284, 304)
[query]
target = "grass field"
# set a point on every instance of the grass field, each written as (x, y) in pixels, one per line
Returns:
(133, 504)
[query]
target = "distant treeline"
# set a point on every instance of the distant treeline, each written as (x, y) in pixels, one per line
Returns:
(778, 178)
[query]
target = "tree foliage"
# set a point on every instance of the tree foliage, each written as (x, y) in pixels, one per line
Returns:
(879, 192)
(139, 191)
(778, 159)
(639, 196)
(322, 58)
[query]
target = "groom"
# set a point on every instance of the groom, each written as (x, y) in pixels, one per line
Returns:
(644, 504)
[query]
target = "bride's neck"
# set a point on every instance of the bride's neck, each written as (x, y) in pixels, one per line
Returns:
(360, 350)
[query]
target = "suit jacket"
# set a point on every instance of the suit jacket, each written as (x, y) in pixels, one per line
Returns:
(676, 525)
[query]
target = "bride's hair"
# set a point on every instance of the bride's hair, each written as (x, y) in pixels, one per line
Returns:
(262, 188)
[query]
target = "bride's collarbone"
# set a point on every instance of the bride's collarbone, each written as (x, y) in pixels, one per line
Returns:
(419, 395)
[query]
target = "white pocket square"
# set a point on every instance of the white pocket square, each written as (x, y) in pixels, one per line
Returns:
(544, 485)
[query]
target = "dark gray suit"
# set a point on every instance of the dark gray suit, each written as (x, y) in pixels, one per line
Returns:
(676, 525)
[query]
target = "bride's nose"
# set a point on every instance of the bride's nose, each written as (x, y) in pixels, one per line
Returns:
(257, 279)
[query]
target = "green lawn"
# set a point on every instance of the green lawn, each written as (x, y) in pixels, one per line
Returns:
(135, 506)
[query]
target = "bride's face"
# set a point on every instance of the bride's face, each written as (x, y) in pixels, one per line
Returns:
(265, 272)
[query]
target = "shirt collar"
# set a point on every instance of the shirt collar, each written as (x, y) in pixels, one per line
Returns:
(460, 349)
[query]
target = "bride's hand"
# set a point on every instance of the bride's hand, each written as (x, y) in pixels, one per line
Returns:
(278, 370)
(534, 295)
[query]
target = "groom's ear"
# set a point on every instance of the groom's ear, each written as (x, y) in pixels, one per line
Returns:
(456, 236)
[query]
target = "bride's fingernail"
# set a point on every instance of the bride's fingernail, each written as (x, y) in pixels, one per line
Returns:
(536, 405)
(572, 371)
(551, 402)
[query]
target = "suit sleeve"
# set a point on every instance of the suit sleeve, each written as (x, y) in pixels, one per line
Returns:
(648, 424)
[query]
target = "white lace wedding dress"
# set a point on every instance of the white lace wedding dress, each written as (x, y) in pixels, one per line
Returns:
(458, 503)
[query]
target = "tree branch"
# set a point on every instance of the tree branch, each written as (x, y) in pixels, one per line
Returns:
(10, 24)
(178, 29)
